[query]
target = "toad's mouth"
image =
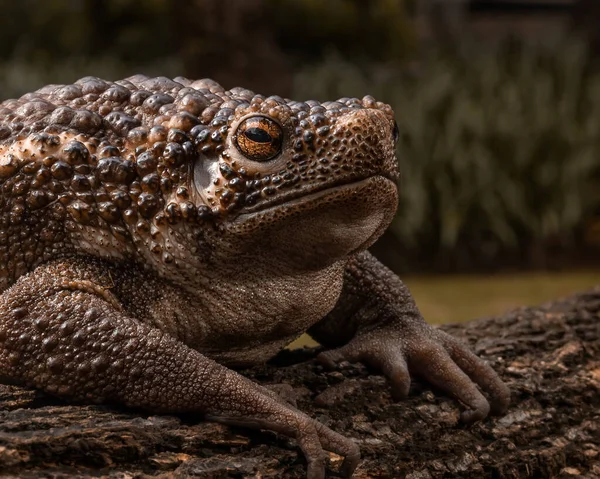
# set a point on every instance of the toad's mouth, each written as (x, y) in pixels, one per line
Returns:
(307, 194)
(331, 222)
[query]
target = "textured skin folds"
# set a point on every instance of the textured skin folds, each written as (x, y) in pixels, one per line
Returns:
(155, 233)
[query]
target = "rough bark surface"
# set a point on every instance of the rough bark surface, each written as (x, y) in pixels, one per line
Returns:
(549, 356)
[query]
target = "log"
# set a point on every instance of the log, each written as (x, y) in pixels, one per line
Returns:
(548, 355)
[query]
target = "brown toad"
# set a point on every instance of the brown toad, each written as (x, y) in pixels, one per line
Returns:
(155, 232)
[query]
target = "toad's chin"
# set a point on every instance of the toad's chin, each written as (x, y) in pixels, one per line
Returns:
(320, 228)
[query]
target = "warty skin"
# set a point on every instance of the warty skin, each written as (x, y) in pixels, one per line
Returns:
(156, 233)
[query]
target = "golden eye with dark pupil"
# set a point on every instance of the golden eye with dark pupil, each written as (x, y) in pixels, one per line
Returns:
(258, 135)
(259, 138)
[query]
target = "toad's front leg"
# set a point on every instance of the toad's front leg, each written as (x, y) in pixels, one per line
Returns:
(377, 321)
(61, 330)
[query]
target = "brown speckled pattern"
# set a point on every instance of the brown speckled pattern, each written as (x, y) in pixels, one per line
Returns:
(155, 231)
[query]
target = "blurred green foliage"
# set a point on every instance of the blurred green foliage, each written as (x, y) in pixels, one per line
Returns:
(499, 153)
(249, 43)
(58, 41)
(46, 31)
(376, 30)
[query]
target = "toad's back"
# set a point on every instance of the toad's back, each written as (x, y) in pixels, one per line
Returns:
(68, 180)
(90, 167)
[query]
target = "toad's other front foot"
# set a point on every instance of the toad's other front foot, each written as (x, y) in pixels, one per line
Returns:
(312, 437)
(433, 354)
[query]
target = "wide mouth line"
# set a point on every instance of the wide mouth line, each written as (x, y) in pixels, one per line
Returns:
(307, 193)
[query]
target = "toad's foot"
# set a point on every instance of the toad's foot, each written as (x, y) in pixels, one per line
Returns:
(398, 350)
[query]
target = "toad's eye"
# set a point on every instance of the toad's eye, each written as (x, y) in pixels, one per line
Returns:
(259, 138)
(396, 132)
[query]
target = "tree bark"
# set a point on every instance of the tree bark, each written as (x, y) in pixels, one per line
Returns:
(548, 355)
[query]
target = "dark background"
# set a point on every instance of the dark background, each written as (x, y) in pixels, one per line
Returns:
(498, 102)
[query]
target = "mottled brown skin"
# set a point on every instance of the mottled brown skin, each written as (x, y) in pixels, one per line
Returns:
(155, 232)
